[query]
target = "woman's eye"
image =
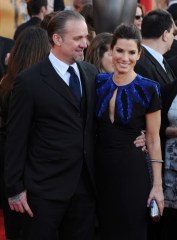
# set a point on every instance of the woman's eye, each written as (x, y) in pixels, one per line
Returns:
(132, 52)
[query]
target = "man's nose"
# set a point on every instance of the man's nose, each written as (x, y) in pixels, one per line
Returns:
(83, 43)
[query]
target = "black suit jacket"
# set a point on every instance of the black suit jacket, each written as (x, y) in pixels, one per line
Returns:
(33, 21)
(173, 64)
(46, 138)
(172, 52)
(148, 67)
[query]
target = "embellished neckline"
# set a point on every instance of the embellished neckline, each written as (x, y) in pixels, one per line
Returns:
(125, 85)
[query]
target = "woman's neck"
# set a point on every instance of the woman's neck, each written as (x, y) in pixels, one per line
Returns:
(123, 79)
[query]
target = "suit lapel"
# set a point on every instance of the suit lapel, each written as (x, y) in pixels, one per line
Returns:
(158, 67)
(85, 84)
(53, 80)
(169, 71)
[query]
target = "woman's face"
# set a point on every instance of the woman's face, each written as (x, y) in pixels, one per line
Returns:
(125, 55)
(107, 62)
(138, 18)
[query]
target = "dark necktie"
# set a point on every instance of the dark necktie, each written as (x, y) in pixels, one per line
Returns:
(74, 83)
(168, 70)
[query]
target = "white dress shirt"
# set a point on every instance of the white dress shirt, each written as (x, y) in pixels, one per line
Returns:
(61, 69)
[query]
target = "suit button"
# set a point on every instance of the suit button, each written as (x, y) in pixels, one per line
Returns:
(85, 153)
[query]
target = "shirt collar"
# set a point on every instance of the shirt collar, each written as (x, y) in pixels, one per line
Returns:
(155, 54)
(61, 66)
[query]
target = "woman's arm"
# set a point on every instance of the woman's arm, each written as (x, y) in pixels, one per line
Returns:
(153, 145)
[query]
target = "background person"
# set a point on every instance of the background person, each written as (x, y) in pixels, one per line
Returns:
(87, 13)
(158, 35)
(99, 54)
(21, 58)
(79, 4)
(139, 16)
(169, 146)
(172, 8)
(37, 9)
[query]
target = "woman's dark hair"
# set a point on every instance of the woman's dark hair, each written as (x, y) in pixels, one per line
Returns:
(31, 47)
(98, 46)
(127, 31)
(142, 8)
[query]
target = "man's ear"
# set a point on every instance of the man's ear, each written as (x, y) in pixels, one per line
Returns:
(57, 39)
(165, 36)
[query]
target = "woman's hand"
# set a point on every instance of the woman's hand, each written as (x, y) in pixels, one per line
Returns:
(157, 194)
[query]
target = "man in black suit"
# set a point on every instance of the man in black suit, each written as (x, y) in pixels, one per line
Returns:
(157, 32)
(37, 9)
(50, 166)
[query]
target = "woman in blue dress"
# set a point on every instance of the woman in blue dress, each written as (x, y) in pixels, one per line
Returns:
(126, 104)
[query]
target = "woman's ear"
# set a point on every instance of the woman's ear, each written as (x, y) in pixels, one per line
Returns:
(139, 54)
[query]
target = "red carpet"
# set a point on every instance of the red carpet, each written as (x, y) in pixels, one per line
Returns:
(2, 235)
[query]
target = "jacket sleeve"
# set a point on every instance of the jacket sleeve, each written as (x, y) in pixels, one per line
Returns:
(18, 129)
